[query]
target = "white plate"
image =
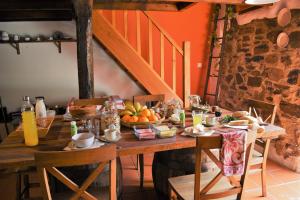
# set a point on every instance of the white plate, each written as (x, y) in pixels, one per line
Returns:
(237, 127)
(206, 132)
(71, 146)
(104, 139)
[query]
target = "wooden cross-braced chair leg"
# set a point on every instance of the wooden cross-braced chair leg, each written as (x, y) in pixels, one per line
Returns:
(47, 162)
(260, 157)
(211, 185)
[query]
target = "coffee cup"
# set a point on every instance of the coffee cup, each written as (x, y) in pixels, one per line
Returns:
(215, 109)
(111, 134)
(211, 120)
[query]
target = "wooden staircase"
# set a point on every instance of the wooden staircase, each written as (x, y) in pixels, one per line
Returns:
(142, 69)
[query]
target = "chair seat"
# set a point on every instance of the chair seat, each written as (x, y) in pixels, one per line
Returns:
(184, 185)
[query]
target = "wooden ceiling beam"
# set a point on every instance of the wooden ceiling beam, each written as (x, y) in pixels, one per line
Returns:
(137, 6)
(154, 5)
(36, 10)
(238, 2)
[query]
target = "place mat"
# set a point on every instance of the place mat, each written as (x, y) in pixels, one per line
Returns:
(71, 146)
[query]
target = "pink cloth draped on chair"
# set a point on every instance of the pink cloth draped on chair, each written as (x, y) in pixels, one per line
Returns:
(233, 152)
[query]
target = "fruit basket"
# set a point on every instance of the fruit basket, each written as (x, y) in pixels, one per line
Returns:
(83, 111)
(139, 116)
(141, 124)
(43, 126)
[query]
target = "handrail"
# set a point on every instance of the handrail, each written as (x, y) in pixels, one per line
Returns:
(168, 37)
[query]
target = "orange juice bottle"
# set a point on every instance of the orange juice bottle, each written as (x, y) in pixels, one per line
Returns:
(29, 123)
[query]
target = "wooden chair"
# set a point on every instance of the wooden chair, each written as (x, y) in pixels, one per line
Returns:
(95, 101)
(48, 161)
(260, 156)
(213, 184)
(149, 100)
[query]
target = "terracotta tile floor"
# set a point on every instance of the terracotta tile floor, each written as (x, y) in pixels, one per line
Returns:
(283, 183)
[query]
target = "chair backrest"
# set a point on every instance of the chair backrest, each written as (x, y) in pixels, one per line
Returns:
(263, 109)
(148, 99)
(48, 161)
(85, 102)
(205, 144)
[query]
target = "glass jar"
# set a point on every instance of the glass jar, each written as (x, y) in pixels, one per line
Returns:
(110, 117)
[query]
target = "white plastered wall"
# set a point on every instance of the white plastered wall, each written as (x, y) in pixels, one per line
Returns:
(41, 71)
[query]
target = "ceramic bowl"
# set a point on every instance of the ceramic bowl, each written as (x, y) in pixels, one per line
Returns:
(82, 140)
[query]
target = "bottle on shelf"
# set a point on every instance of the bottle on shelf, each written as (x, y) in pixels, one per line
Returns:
(29, 123)
(40, 108)
(40, 112)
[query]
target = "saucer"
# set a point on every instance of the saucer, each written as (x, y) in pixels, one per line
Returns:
(104, 139)
(189, 132)
(71, 146)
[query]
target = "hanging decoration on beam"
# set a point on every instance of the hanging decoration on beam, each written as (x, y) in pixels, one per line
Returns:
(268, 12)
(260, 2)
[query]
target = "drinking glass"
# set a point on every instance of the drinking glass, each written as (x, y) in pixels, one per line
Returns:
(197, 118)
(97, 127)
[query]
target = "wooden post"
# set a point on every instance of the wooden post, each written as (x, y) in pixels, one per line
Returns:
(186, 72)
(83, 11)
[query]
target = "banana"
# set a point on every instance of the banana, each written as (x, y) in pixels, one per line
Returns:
(128, 103)
(130, 108)
(126, 112)
(137, 106)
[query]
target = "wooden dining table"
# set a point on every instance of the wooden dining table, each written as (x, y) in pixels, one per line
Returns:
(15, 156)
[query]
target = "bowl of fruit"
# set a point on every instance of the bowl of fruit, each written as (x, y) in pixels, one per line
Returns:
(139, 116)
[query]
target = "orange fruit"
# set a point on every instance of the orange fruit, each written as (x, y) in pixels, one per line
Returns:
(126, 118)
(143, 119)
(152, 111)
(134, 119)
(145, 113)
(153, 118)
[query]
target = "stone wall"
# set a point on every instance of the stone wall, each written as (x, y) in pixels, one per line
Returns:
(255, 68)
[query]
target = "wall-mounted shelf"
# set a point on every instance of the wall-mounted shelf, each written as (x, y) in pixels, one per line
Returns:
(16, 44)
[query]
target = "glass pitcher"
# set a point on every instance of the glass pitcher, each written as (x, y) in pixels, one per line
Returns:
(195, 100)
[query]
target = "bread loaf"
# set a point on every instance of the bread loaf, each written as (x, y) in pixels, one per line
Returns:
(239, 123)
(250, 119)
(240, 114)
(261, 129)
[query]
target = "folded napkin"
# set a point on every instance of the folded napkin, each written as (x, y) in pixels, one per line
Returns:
(233, 152)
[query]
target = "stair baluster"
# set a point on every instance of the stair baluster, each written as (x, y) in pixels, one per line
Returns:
(164, 36)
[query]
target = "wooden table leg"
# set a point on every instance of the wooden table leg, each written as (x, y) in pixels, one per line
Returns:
(18, 186)
(141, 162)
